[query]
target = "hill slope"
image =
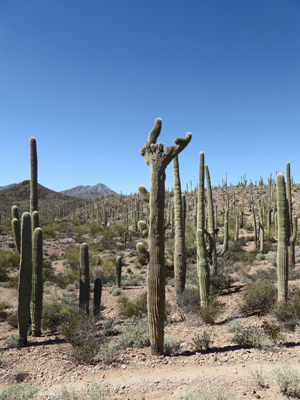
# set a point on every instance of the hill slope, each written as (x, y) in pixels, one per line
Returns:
(19, 195)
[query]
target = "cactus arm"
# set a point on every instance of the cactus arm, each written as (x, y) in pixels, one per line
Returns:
(15, 224)
(145, 195)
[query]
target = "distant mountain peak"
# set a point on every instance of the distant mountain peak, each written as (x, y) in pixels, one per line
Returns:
(89, 192)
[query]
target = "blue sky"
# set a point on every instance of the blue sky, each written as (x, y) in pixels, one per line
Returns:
(88, 78)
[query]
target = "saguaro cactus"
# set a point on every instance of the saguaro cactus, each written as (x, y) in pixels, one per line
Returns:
(157, 158)
(282, 254)
(292, 230)
(179, 251)
(202, 262)
(118, 270)
(33, 176)
(37, 282)
(25, 278)
(211, 222)
(84, 288)
(97, 296)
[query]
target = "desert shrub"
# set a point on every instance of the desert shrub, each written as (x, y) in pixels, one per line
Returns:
(271, 330)
(108, 352)
(258, 297)
(251, 337)
(136, 308)
(71, 257)
(54, 314)
(202, 341)
(271, 256)
(135, 334)
(8, 260)
(18, 392)
(4, 305)
(13, 341)
(209, 313)
(12, 319)
(106, 271)
(93, 391)
(65, 277)
(12, 282)
(288, 312)
(95, 228)
(220, 281)
(171, 346)
(267, 275)
(288, 380)
(259, 379)
(50, 230)
(81, 331)
(115, 291)
(207, 390)
(189, 300)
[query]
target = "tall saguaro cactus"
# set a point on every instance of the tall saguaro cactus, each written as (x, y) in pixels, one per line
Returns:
(291, 245)
(282, 254)
(202, 262)
(179, 251)
(25, 278)
(33, 176)
(211, 221)
(157, 158)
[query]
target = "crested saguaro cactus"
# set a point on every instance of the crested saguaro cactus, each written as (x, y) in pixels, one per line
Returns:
(282, 254)
(25, 278)
(37, 282)
(179, 251)
(84, 287)
(157, 158)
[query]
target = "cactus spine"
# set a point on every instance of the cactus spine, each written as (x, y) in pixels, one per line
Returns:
(37, 282)
(25, 278)
(157, 158)
(84, 288)
(282, 255)
(179, 251)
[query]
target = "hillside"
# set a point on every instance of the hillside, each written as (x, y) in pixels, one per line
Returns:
(89, 192)
(19, 195)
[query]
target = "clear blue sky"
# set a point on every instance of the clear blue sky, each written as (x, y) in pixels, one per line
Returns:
(88, 78)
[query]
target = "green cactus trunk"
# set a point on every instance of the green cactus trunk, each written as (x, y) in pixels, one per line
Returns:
(261, 231)
(33, 176)
(37, 282)
(211, 222)
(97, 296)
(157, 158)
(291, 245)
(118, 270)
(179, 251)
(282, 254)
(25, 278)
(84, 288)
(202, 263)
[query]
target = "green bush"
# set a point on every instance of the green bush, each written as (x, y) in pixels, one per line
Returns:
(207, 391)
(108, 353)
(189, 300)
(93, 391)
(251, 337)
(288, 380)
(135, 334)
(8, 260)
(211, 312)
(202, 341)
(258, 297)
(115, 291)
(288, 312)
(136, 308)
(54, 314)
(18, 392)
(171, 346)
(271, 330)
(12, 319)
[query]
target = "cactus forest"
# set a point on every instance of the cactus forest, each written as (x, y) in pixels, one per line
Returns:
(196, 278)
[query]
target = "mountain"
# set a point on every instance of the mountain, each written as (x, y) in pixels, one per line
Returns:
(89, 192)
(48, 200)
